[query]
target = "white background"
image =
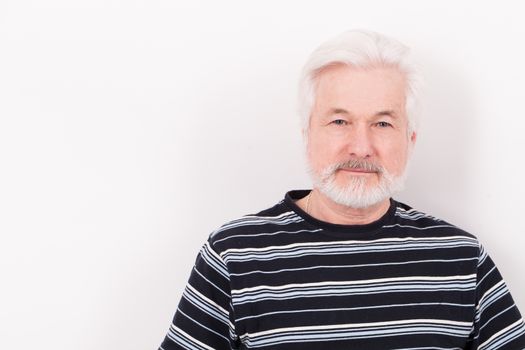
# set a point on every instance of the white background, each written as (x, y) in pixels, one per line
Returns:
(131, 129)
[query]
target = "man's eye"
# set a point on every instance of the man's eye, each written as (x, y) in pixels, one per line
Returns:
(383, 124)
(339, 122)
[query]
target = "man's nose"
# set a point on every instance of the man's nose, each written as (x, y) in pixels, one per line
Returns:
(360, 142)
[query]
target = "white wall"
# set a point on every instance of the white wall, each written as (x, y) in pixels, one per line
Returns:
(130, 129)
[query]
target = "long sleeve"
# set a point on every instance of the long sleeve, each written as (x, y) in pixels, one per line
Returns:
(497, 323)
(204, 318)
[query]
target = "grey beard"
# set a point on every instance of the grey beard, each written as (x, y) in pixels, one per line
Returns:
(356, 193)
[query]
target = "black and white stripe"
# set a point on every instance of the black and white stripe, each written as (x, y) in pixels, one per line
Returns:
(281, 279)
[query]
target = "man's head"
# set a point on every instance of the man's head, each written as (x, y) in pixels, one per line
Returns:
(357, 98)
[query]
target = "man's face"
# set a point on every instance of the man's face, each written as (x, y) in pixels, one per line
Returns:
(358, 141)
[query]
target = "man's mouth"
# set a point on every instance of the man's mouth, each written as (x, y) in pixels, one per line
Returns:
(359, 170)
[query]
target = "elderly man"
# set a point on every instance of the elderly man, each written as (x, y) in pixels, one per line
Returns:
(345, 266)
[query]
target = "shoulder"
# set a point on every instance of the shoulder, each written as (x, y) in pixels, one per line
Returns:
(238, 232)
(408, 217)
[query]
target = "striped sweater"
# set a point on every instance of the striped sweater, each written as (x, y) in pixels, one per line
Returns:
(281, 279)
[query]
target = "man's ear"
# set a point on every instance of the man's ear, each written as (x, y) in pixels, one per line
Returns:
(304, 135)
(413, 138)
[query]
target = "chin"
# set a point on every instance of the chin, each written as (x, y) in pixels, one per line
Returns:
(360, 198)
(360, 191)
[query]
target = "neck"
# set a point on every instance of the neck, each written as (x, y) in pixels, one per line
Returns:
(319, 206)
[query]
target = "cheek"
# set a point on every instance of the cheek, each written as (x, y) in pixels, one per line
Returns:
(394, 157)
(314, 156)
(322, 152)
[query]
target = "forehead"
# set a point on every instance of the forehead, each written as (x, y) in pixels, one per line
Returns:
(363, 90)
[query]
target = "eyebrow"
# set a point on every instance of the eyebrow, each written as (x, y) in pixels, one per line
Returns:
(338, 111)
(388, 113)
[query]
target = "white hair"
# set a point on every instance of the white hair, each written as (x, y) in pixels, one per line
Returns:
(362, 49)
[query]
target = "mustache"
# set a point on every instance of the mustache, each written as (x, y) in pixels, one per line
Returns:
(357, 164)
